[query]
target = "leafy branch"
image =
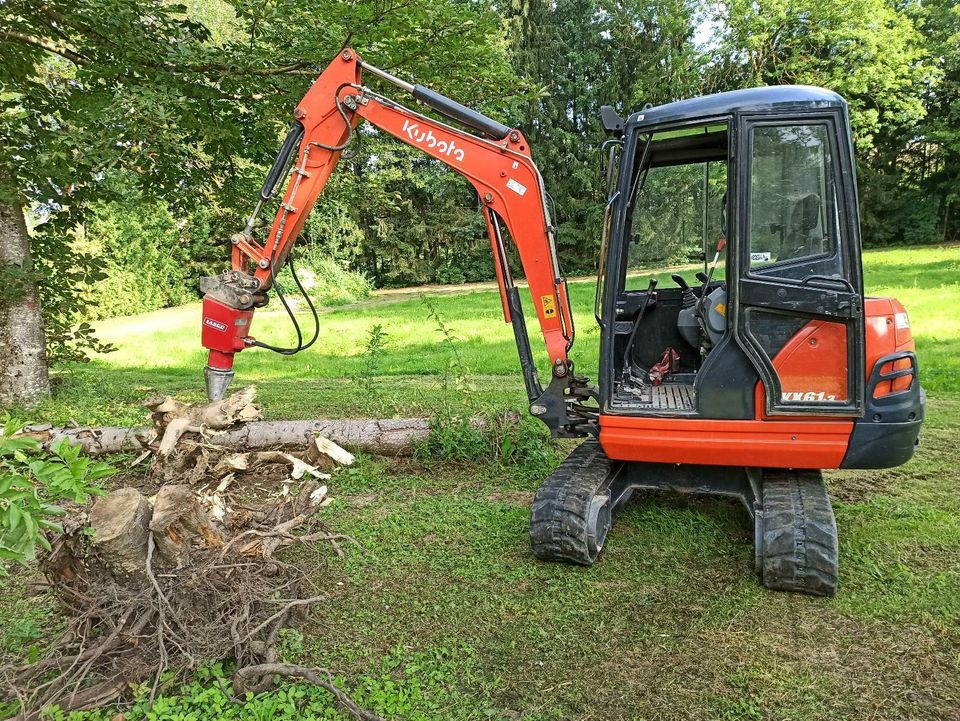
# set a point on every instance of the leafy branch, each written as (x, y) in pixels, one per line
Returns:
(32, 482)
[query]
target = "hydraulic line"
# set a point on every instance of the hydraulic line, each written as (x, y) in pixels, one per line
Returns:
(293, 318)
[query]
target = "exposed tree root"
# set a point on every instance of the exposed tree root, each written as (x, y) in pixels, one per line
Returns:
(168, 584)
(260, 677)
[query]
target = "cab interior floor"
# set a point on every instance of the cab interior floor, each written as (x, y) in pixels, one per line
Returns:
(664, 397)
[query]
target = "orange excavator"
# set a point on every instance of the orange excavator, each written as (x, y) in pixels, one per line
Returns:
(747, 382)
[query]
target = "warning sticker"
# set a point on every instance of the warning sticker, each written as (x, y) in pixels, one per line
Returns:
(549, 306)
(516, 187)
(721, 308)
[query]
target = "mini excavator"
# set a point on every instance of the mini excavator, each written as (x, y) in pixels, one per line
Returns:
(747, 382)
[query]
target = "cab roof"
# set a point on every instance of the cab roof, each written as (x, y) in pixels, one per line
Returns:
(773, 98)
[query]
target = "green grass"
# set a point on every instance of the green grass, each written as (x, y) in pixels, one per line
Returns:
(160, 351)
(445, 614)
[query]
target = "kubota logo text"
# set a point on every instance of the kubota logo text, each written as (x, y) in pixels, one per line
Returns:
(429, 140)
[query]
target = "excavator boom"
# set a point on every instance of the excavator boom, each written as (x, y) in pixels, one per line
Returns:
(496, 161)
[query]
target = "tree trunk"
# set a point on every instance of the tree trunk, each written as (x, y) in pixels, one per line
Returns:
(384, 435)
(23, 357)
(120, 523)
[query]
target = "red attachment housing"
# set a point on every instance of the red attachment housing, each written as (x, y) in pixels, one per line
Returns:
(225, 332)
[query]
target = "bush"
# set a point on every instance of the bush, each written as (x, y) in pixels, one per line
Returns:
(327, 281)
(523, 444)
(450, 274)
(145, 259)
(31, 481)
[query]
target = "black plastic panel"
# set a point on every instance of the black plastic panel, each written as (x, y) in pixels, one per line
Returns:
(726, 383)
(888, 433)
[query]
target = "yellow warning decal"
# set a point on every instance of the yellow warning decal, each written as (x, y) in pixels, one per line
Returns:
(721, 308)
(549, 306)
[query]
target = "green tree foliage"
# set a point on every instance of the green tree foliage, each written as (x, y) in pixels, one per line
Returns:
(140, 244)
(865, 50)
(190, 114)
(144, 127)
(875, 55)
(582, 54)
(932, 153)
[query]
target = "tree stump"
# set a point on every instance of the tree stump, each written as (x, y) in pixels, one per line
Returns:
(180, 524)
(120, 523)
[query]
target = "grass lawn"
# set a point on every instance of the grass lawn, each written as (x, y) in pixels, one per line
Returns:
(446, 615)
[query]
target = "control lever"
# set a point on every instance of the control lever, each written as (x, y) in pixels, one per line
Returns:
(721, 244)
(702, 277)
(689, 297)
(652, 286)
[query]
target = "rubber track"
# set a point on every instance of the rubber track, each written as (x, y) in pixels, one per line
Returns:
(799, 534)
(558, 516)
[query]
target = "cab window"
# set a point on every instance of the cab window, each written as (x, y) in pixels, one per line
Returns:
(677, 207)
(793, 228)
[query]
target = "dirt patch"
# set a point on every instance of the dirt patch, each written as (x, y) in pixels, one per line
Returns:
(860, 486)
(514, 498)
(364, 500)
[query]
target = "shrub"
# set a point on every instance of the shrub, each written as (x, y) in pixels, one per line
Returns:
(450, 274)
(145, 261)
(523, 444)
(31, 482)
(327, 281)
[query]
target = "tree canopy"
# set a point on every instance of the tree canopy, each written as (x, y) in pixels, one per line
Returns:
(152, 107)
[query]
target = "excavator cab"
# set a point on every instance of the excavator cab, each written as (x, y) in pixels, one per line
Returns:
(746, 376)
(742, 378)
(759, 183)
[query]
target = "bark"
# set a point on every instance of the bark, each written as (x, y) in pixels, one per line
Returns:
(23, 357)
(120, 527)
(387, 436)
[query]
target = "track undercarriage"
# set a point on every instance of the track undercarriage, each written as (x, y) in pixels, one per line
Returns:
(795, 533)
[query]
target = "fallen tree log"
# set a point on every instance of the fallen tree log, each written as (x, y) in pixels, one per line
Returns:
(379, 435)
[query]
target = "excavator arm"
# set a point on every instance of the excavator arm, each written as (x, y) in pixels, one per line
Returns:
(496, 161)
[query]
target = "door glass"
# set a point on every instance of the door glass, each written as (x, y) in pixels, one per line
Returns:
(676, 216)
(794, 231)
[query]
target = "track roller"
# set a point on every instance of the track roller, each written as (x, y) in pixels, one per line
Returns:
(572, 510)
(797, 534)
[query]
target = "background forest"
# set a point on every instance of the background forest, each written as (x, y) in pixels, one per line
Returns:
(136, 132)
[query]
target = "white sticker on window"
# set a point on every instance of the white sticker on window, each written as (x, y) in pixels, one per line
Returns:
(902, 321)
(516, 187)
(760, 257)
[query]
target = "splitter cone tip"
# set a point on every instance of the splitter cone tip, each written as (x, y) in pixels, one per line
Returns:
(217, 382)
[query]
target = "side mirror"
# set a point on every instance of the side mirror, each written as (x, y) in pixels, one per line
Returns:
(612, 121)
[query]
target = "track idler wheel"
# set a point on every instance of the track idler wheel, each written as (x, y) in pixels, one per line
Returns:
(572, 511)
(797, 534)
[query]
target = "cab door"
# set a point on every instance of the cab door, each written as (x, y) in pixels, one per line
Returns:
(798, 306)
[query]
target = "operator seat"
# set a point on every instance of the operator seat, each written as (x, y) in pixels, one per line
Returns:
(804, 216)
